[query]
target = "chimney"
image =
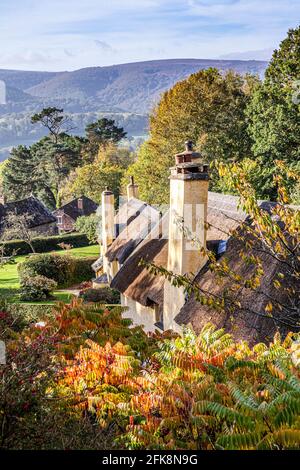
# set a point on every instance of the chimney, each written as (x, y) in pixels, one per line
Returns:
(132, 189)
(108, 222)
(80, 204)
(188, 215)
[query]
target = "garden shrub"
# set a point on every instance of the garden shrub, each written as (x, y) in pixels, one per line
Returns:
(37, 288)
(29, 313)
(104, 295)
(35, 413)
(45, 244)
(65, 270)
(88, 379)
(81, 269)
(90, 226)
(53, 266)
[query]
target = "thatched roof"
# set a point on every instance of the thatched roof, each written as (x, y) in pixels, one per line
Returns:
(223, 215)
(137, 283)
(127, 212)
(250, 321)
(39, 214)
(77, 208)
(135, 221)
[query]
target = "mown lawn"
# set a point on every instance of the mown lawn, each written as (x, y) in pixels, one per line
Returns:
(9, 279)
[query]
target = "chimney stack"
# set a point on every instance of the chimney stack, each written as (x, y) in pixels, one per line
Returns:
(80, 204)
(132, 189)
(188, 216)
(108, 223)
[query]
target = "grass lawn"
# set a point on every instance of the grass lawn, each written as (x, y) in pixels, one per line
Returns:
(9, 279)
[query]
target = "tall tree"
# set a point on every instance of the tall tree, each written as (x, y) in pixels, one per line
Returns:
(100, 134)
(273, 113)
(106, 170)
(207, 108)
(53, 120)
(17, 175)
(53, 163)
(41, 169)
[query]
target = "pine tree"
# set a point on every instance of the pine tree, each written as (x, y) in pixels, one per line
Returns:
(18, 181)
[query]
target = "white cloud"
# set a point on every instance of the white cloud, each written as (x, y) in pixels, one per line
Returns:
(262, 54)
(104, 46)
(71, 34)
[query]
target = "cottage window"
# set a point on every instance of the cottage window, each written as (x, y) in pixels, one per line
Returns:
(159, 317)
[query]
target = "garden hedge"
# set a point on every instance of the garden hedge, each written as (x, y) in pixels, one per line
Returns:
(106, 295)
(45, 244)
(65, 270)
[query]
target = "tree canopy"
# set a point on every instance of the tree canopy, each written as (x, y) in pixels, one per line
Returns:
(273, 113)
(100, 134)
(207, 108)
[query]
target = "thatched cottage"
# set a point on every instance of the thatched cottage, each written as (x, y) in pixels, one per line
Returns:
(139, 231)
(39, 217)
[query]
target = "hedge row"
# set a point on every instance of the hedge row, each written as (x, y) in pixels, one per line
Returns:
(45, 244)
(65, 270)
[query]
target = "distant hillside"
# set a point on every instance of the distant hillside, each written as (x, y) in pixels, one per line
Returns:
(127, 88)
(131, 87)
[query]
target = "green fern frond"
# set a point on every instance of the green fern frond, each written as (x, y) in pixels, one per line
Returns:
(224, 413)
(244, 441)
(232, 364)
(283, 439)
(288, 415)
(282, 399)
(294, 383)
(244, 401)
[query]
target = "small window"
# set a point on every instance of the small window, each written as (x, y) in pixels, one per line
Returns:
(222, 247)
(159, 317)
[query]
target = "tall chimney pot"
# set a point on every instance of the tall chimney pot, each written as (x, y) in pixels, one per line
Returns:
(132, 189)
(188, 203)
(80, 204)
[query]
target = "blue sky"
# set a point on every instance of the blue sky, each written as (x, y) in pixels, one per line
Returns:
(71, 34)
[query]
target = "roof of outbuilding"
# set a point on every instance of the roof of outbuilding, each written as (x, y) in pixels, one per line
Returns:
(39, 214)
(72, 210)
(135, 281)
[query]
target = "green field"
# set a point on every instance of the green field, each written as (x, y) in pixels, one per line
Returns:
(9, 279)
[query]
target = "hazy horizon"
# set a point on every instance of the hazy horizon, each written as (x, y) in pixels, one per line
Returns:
(136, 62)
